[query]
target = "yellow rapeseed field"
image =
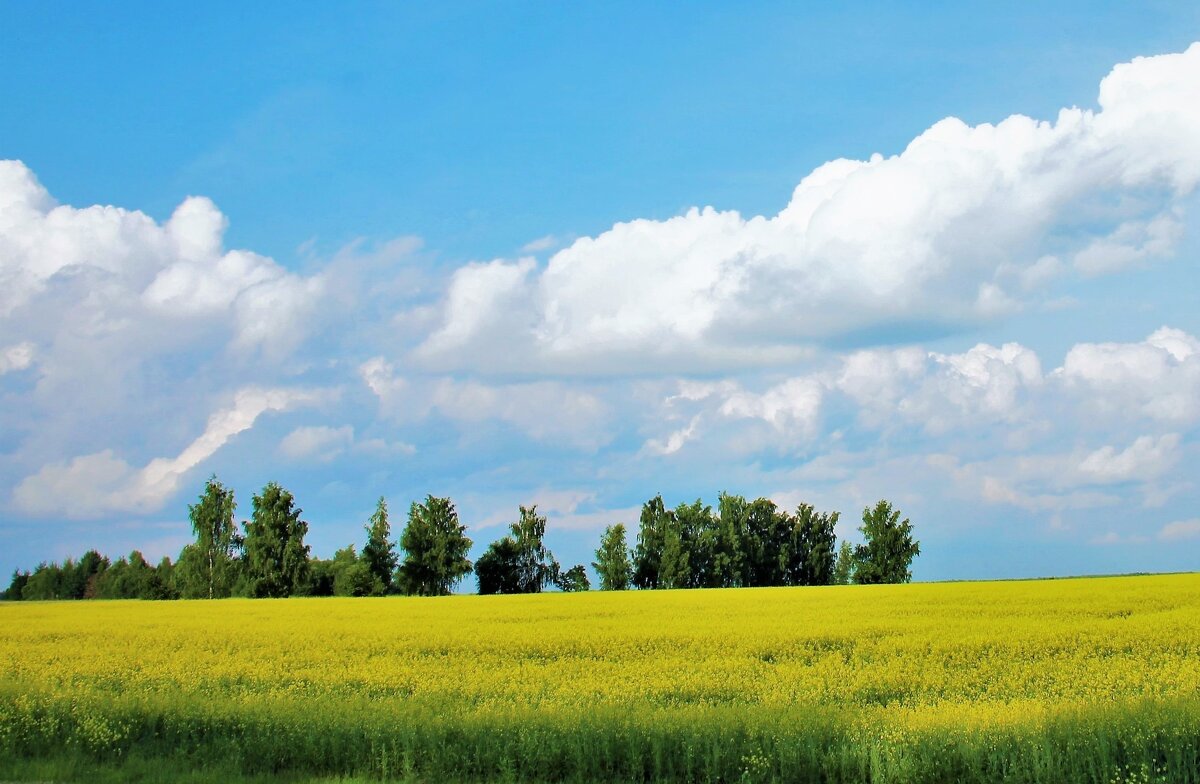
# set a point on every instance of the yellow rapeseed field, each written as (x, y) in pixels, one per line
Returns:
(911, 682)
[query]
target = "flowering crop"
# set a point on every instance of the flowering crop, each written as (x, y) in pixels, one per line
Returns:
(1089, 679)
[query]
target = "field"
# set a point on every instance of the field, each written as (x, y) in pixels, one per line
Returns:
(1092, 680)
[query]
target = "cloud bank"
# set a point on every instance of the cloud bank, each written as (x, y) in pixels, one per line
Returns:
(963, 226)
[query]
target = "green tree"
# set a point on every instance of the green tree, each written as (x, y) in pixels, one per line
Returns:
(165, 584)
(16, 587)
(498, 569)
(765, 543)
(435, 548)
(536, 567)
(518, 562)
(812, 551)
(890, 548)
(85, 578)
(352, 575)
(320, 577)
(612, 560)
(652, 530)
(44, 583)
(131, 577)
(574, 579)
(208, 567)
(843, 569)
(690, 566)
(379, 554)
(727, 540)
(276, 556)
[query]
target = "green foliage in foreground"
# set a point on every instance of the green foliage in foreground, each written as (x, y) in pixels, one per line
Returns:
(409, 741)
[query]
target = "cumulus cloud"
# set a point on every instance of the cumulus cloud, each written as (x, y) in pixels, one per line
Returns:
(950, 231)
(94, 485)
(1158, 378)
(1145, 458)
(1145, 384)
(142, 270)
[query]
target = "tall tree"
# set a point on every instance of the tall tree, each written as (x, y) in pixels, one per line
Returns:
(519, 562)
(435, 548)
(498, 569)
(276, 555)
(843, 569)
(379, 554)
(727, 541)
(767, 533)
(612, 560)
(208, 566)
(811, 552)
(13, 592)
(890, 547)
(652, 530)
(536, 566)
(694, 524)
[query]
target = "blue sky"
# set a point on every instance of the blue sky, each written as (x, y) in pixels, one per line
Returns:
(465, 250)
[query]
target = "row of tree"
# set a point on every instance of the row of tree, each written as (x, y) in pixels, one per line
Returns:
(740, 544)
(752, 543)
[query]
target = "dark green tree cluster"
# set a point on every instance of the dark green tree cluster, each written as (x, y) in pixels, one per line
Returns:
(520, 562)
(752, 543)
(94, 577)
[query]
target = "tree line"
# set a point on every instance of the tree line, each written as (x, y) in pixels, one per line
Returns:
(739, 544)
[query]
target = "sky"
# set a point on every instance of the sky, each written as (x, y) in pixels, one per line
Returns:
(580, 254)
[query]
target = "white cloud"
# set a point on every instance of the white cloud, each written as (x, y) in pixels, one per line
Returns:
(1158, 378)
(1180, 530)
(175, 271)
(16, 357)
(1145, 458)
(547, 411)
(674, 441)
(97, 484)
(949, 231)
(319, 441)
(793, 406)
(540, 244)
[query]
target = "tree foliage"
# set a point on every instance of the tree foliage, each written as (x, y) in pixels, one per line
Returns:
(743, 543)
(574, 579)
(435, 548)
(843, 569)
(519, 562)
(612, 562)
(207, 568)
(647, 556)
(379, 553)
(890, 548)
(276, 555)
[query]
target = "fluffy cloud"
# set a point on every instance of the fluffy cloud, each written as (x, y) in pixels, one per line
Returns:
(1150, 383)
(1158, 378)
(140, 270)
(97, 484)
(987, 419)
(950, 231)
